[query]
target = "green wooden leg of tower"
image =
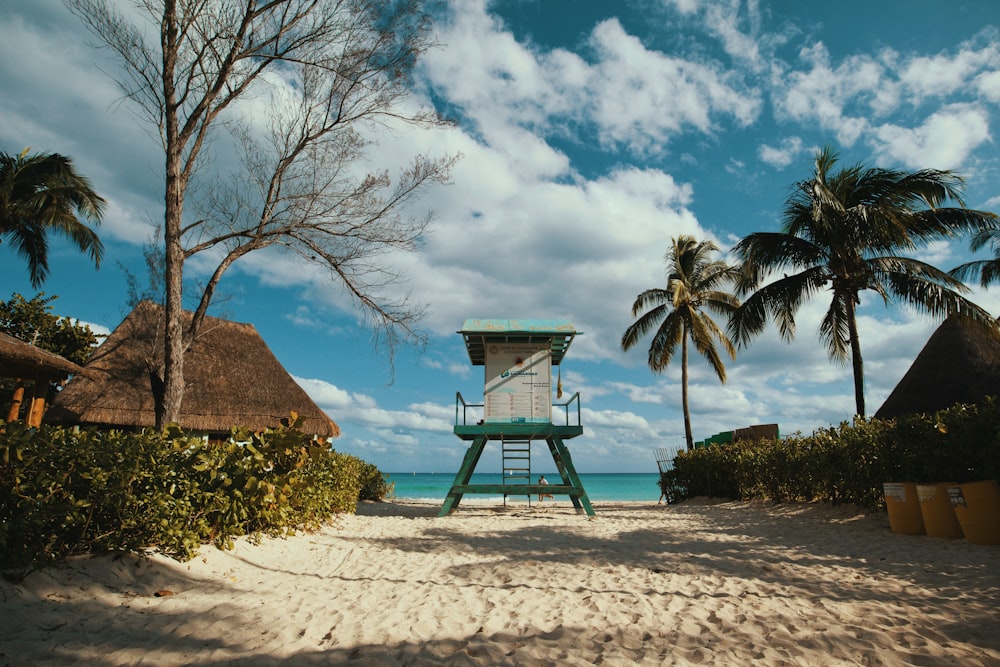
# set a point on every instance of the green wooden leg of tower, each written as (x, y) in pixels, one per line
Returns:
(553, 436)
(564, 463)
(472, 455)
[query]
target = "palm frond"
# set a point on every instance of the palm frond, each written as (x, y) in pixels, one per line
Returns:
(983, 237)
(834, 328)
(709, 332)
(651, 298)
(986, 270)
(41, 194)
(779, 301)
(936, 223)
(665, 342)
(936, 299)
(763, 253)
(642, 326)
(932, 187)
(904, 268)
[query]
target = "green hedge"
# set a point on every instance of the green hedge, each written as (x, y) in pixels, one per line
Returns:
(72, 491)
(848, 463)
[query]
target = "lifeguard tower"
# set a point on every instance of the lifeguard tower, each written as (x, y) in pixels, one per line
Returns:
(518, 356)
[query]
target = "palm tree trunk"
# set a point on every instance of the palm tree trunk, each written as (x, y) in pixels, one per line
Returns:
(856, 360)
(684, 391)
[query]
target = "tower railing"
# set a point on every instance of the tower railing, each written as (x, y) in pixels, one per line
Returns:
(462, 409)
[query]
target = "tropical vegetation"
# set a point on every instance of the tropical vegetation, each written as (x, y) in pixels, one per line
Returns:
(68, 491)
(848, 463)
(42, 194)
(675, 313)
(843, 233)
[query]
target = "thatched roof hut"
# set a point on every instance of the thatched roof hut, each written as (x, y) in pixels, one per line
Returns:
(231, 379)
(27, 363)
(959, 364)
(22, 360)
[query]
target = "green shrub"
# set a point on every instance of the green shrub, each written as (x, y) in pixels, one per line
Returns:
(374, 485)
(72, 491)
(848, 463)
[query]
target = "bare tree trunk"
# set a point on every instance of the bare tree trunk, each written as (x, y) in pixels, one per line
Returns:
(173, 339)
(684, 390)
(856, 361)
(173, 343)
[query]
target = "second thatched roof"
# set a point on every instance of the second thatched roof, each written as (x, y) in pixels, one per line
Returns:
(960, 363)
(22, 360)
(231, 379)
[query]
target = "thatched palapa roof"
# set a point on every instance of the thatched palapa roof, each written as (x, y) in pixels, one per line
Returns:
(231, 379)
(960, 363)
(22, 360)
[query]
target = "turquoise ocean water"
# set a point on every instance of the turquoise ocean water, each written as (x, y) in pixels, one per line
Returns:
(599, 486)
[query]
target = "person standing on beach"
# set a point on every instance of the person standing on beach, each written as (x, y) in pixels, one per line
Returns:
(544, 482)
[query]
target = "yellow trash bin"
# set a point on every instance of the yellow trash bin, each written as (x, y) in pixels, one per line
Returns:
(977, 506)
(936, 510)
(903, 507)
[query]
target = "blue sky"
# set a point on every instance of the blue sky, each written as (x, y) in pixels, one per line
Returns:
(591, 133)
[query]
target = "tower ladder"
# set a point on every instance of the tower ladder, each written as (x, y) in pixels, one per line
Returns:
(516, 463)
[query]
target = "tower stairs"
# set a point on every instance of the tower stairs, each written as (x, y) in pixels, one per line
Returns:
(516, 455)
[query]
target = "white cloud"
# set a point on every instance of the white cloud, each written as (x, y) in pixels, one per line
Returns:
(346, 407)
(782, 155)
(944, 74)
(724, 20)
(823, 92)
(988, 84)
(944, 141)
(685, 6)
(632, 97)
(639, 394)
(851, 96)
(614, 418)
(641, 99)
(98, 329)
(940, 253)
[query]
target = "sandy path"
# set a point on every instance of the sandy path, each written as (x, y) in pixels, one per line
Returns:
(698, 583)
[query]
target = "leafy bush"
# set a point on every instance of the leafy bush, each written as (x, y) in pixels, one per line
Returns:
(847, 463)
(374, 485)
(72, 491)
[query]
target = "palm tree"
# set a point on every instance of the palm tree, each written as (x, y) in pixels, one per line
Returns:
(42, 193)
(842, 233)
(675, 312)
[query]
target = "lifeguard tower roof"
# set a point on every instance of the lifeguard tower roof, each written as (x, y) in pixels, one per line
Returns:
(477, 333)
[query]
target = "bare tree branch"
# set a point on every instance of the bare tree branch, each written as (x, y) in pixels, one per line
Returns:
(334, 73)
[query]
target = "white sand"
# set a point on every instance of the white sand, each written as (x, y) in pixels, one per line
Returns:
(698, 583)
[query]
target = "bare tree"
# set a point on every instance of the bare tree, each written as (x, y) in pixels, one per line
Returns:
(331, 73)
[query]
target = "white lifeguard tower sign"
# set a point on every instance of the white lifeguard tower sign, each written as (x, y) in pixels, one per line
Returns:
(518, 356)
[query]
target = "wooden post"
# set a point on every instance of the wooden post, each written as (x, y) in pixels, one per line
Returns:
(15, 406)
(37, 408)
